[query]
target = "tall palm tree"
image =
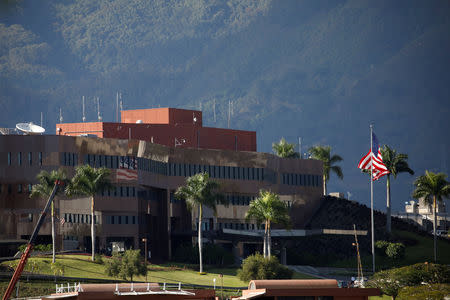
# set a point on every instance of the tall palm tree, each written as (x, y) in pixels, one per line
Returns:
(198, 192)
(44, 189)
(89, 181)
(323, 153)
(284, 149)
(432, 187)
(396, 163)
(268, 209)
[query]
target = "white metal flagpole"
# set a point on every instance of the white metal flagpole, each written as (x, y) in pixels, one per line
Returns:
(371, 198)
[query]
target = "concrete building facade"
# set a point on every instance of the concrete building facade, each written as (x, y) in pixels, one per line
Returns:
(145, 175)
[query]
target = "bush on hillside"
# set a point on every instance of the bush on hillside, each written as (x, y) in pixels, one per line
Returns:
(126, 265)
(380, 247)
(395, 250)
(98, 259)
(427, 291)
(393, 280)
(392, 250)
(257, 267)
(39, 247)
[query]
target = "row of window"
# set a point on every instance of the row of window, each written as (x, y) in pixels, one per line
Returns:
(69, 159)
(121, 220)
(119, 191)
(20, 158)
(79, 218)
(301, 179)
(206, 226)
(21, 188)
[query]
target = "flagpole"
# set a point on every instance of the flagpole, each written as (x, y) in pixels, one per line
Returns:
(371, 198)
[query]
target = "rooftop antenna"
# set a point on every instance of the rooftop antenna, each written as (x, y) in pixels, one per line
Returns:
(60, 116)
(42, 118)
(99, 117)
(121, 106)
(300, 147)
(214, 109)
(117, 107)
(84, 117)
(229, 112)
(200, 105)
(348, 195)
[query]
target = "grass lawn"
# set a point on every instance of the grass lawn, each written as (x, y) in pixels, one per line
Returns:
(81, 266)
(420, 252)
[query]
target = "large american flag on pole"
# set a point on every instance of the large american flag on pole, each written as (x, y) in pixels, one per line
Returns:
(373, 160)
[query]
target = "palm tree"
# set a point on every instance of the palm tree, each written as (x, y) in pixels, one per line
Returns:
(432, 187)
(396, 163)
(284, 149)
(44, 189)
(200, 191)
(268, 208)
(323, 153)
(89, 181)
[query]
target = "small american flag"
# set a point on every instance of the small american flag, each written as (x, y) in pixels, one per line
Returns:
(62, 221)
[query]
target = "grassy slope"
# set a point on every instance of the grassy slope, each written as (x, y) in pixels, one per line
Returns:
(420, 252)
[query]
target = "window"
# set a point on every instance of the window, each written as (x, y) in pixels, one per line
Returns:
(19, 158)
(40, 158)
(30, 158)
(30, 188)
(133, 219)
(9, 158)
(126, 219)
(19, 188)
(119, 219)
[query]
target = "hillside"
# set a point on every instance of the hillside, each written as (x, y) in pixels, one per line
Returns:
(321, 70)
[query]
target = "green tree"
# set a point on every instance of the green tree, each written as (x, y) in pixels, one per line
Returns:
(257, 267)
(396, 163)
(127, 265)
(89, 181)
(198, 192)
(323, 153)
(44, 189)
(432, 187)
(284, 149)
(268, 209)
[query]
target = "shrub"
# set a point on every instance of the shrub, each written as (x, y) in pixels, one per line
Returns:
(381, 247)
(393, 280)
(395, 250)
(127, 265)
(257, 267)
(428, 291)
(98, 259)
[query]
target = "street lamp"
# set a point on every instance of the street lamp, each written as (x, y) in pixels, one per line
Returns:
(145, 255)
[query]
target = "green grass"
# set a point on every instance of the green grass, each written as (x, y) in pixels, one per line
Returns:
(384, 297)
(81, 266)
(420, 252)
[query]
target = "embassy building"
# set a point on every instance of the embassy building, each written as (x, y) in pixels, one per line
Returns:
(150, 153)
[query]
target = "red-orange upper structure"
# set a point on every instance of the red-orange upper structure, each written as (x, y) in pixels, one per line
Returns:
(166, 126)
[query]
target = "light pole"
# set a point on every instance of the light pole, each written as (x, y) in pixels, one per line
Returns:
(145, 255)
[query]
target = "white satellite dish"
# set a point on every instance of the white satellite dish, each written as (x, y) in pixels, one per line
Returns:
(30, 128)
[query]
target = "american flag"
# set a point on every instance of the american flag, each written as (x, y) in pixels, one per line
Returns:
(127, 169)
(62, 221)
(378, 169)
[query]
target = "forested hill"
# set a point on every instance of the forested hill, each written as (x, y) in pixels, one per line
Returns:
(322, 70)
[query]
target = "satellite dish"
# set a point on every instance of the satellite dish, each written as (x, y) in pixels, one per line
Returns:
(30, 128)
(139, 122)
